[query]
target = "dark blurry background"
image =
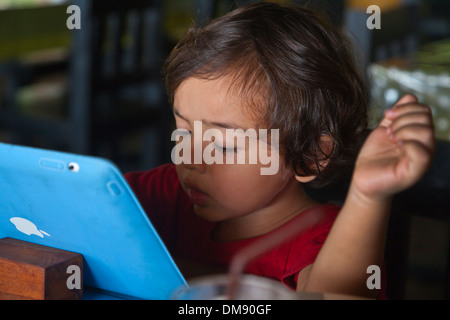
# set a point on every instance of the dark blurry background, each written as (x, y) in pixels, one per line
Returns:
(98, 90)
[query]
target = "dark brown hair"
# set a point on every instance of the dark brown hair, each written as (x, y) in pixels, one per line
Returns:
(297, 65)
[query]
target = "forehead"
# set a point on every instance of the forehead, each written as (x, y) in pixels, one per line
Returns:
(213, 100)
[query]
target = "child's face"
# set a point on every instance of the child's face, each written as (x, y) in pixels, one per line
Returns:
(223, 191)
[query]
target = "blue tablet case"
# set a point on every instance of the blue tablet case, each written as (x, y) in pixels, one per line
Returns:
(83, 204)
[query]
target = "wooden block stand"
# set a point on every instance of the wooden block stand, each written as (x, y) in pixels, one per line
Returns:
(37, 272)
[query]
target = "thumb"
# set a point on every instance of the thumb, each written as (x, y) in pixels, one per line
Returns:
(407, 98)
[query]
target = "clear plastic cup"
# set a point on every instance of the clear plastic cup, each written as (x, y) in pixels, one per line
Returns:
(250, 287)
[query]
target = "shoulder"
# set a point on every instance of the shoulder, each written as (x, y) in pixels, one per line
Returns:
(323, 216)
(158, 187)
(166, 172)
(304, 248)
(162, 179)
(163, 199)
(328, 214)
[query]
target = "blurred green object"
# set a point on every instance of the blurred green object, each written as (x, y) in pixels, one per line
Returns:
(28, 3)
(426, 74)
(28, 29)
(178, 17)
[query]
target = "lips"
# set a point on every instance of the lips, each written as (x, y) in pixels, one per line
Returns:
(196, 196)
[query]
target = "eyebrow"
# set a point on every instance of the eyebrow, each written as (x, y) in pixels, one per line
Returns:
(225, 125)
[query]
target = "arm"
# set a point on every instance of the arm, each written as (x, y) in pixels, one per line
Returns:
(395, 156)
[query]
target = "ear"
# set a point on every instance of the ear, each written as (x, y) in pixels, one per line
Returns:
(326, 146)
(304, 179)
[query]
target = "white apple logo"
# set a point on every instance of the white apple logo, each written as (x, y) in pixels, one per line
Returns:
(27, 227)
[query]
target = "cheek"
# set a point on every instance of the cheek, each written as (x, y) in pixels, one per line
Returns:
(242, 188)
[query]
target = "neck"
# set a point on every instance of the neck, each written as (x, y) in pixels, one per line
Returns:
(287, 204)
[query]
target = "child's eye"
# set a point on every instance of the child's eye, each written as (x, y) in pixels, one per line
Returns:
(224, 149)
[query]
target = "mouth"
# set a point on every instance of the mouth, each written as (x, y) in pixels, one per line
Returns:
(196, 196)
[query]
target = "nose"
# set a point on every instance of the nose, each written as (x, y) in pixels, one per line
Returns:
(196, 155)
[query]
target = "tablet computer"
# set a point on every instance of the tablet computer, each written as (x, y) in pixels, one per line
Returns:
(83, 204)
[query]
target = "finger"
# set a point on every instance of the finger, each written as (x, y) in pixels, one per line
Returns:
(407, 108)
(419, 133)
(385, 122)
(418, 117)
(406, 99)
(407, 103)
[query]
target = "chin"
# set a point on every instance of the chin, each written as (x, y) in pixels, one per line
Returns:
(208, 214)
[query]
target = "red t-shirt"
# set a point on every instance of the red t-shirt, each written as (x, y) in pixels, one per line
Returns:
(188, 236)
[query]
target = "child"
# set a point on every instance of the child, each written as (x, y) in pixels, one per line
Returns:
(281, 67)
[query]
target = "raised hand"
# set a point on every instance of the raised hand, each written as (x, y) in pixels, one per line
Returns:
(398, 152)
(394, 157)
